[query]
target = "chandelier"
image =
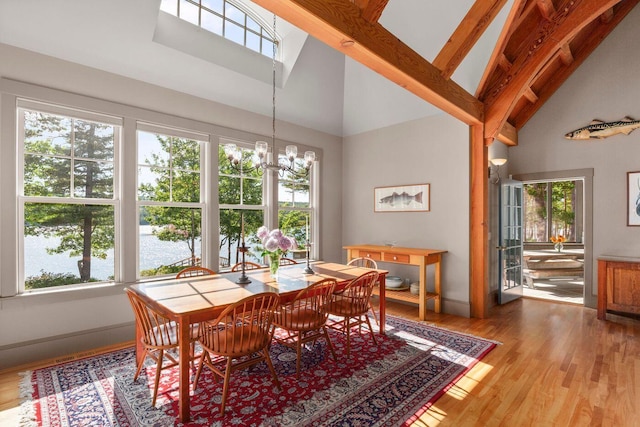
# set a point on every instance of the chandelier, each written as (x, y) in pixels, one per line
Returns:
(234, 154)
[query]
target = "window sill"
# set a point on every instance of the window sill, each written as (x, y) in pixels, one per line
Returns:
(29, 299)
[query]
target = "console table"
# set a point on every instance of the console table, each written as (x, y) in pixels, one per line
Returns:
(409, 256)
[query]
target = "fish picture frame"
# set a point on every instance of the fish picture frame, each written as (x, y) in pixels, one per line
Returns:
(633, 198)
(403, 198)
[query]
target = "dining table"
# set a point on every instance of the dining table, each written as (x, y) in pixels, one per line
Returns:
(188, 301)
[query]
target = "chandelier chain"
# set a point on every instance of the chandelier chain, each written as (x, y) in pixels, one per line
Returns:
(273, 85)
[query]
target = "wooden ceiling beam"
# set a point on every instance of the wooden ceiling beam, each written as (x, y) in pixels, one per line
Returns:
(339, 24)
(541, 46)
(474, 24)
(504, 63)
(606, 17)
(579, 55)
(530, 95)
(508, 134)
(373, 11)
(566, 56)
(498, 59)
(547, 9)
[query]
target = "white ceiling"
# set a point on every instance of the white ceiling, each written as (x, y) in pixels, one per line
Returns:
(322, 90)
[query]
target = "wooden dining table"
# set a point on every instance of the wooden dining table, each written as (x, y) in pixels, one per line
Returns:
(192, 300)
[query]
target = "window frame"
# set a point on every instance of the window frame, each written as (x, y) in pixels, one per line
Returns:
(241, 207)
(265, 34)
(126, 206)
(21, 106)
(203, 140)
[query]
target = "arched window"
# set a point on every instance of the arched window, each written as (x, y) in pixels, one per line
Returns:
(226, 18)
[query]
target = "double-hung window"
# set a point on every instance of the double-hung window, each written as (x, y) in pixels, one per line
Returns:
(241, 195)
(69, 195)
(295, 207)
(170, 199)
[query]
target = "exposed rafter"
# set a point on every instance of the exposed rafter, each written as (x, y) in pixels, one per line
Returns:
(498, 59)
(374, 9)
(547, 10)
(371, 9)
(537, 50)
(466, 35)
(579, 54)
(339, 24)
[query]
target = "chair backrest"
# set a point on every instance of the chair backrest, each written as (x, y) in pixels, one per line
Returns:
(242, 328)
(158, 331)
(359, 290)
(248, 265)
(308, 310)
(287, 261)
(363, 262)
(194, 271)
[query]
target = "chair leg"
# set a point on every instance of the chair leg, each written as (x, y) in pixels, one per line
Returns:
(329, 343)
(347, 326)
(371, 330)
(203, 359)
(140, 365)
(375, 317)
(298, 353)
(267, 359)
(225, 387)
(157, 379)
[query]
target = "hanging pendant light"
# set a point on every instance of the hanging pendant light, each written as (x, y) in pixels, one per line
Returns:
(234, 154)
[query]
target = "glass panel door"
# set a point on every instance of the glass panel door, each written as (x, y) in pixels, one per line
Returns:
(510, 249)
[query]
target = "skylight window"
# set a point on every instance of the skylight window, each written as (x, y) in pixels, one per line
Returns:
(225, 18)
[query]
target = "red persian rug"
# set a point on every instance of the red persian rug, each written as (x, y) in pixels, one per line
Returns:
(389, 384)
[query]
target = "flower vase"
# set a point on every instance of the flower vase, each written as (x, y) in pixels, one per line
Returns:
(558, 247)
(274, 264)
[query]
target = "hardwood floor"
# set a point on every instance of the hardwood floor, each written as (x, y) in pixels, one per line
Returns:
(557, 366)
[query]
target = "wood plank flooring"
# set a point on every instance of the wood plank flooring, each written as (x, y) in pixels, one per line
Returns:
(557, 366)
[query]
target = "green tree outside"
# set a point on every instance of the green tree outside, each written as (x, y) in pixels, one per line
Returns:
(73, 159)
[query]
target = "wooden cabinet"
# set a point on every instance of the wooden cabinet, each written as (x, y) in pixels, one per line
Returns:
(411, 256)
(618, 286)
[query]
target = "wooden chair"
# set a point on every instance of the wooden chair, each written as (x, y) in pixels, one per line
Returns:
(248, 265)
(159, 334)
(352, 304)
(305, 318)
(287, 261)
(366, 263)
(194, 271)
(243, 330)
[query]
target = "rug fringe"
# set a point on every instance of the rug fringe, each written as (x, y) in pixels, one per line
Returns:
(433, 325)
(27, 412)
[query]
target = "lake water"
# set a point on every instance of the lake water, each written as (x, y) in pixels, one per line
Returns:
(153, 253)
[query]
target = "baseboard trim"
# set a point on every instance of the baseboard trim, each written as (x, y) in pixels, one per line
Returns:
(62, 345)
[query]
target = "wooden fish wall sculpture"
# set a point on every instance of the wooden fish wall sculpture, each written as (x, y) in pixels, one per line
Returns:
(599, 129)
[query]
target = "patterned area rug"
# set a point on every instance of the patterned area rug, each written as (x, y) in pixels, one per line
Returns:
(390, 384)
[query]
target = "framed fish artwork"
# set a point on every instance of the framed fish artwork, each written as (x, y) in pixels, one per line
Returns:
(403, 198)
(633, 198)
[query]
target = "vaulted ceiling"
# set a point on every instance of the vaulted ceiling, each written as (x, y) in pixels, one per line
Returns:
(541, 43)
(380, 62)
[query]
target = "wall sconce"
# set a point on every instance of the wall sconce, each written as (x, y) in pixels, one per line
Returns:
(494, 169)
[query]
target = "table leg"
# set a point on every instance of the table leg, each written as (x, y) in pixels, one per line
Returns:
(383, 303)
(436, 306)
(184, 334)
(422, 304)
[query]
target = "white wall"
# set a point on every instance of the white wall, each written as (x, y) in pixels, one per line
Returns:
(44, 326)
(605, 87)
(432, 150)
